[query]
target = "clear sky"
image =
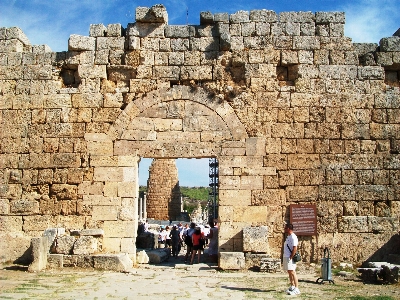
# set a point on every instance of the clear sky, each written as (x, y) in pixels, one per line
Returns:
(51, 22)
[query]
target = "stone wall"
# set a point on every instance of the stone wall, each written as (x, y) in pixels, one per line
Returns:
(163, 193)
(293, 110)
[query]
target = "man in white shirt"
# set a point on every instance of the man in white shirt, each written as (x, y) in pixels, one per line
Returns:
(289, 250)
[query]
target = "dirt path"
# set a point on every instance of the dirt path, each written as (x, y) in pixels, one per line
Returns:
(175, 280)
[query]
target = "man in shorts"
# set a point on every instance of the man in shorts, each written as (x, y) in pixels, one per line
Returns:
(289, 250)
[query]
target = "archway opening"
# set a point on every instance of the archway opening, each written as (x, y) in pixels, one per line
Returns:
(196, 181)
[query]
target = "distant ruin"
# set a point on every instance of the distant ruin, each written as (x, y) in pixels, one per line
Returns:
(163, 193)
(295, 112)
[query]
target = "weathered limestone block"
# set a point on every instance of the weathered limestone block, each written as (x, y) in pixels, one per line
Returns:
(4, 207)
(11, 223)
(382, 224)
(268, 197)
(154, 14)
(255, 239)
(39, 254)
(91, 232)
(269, 264)
(353, 224)
(111, 43)
(231, 260)
(206, 17)
(115, 30)
(240, 16)
(105, 212)
(371, 72)
(81, 43)
(118, 262)
(179, 31)
(263, 15)
(85, 245)
(102, 200)
(142, 257)
(257, 214)
(109, 174)
(53, 233)
(390, 44)
(90, 188)
(235, 197)
(111, 245)
(120, 229)
(64, 191)
(16, 33)
(97, 30)
(64, 244)
(128, 245)
(100, 148)
(55, 261)
(24, 207)
(157, 256)
(36, 222)
(329, 17)
(221, 17)
(8, 46)
(92, 71)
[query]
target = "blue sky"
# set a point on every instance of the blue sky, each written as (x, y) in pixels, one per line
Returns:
(51, 22)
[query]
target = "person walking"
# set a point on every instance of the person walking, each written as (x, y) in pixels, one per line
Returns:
(167, 237)
(188, 241)
(198, 244)
(289, 250)
(175, 239)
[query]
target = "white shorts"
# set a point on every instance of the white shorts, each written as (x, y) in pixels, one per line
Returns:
(288, 264)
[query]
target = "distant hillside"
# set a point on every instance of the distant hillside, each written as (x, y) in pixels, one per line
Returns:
(191, 196)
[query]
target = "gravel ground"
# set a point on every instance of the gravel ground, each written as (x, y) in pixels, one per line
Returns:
(176, 280)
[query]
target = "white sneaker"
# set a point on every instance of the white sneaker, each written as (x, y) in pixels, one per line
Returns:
(295, 291)
(291, 288)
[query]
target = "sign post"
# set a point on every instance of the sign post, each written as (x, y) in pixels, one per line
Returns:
(304, 218)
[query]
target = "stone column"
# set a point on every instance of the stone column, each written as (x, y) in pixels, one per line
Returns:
(140, 209)
(144, 206)
(163, 192)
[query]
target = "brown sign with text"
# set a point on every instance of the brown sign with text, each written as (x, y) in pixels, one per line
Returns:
(304, 219)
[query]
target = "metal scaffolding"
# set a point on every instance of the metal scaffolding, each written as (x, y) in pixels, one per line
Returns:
(213, 194)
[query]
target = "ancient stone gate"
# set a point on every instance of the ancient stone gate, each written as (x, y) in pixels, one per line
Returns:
(293, 110)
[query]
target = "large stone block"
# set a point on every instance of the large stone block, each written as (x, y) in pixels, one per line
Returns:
(120, 229)
(118, 262)
(154, 14)
(85, 245)
(255, 239)
(81, 43)
(105, 213)
(235, 197)
(390, 44)
(12, 33)
(231, 260)
(39, 254)
(64, 244)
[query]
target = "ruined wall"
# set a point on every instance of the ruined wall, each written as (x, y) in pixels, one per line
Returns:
(163, 193)
(293, 110)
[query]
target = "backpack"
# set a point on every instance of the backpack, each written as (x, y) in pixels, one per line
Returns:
(188, 240)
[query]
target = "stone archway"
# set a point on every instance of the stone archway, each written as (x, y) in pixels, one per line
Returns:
(151, 125)
(183, 122)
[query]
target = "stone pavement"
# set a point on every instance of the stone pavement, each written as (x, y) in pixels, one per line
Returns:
(174, 280)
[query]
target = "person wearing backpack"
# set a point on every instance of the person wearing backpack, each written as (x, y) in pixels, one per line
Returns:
(198, 244)
(188, 240)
